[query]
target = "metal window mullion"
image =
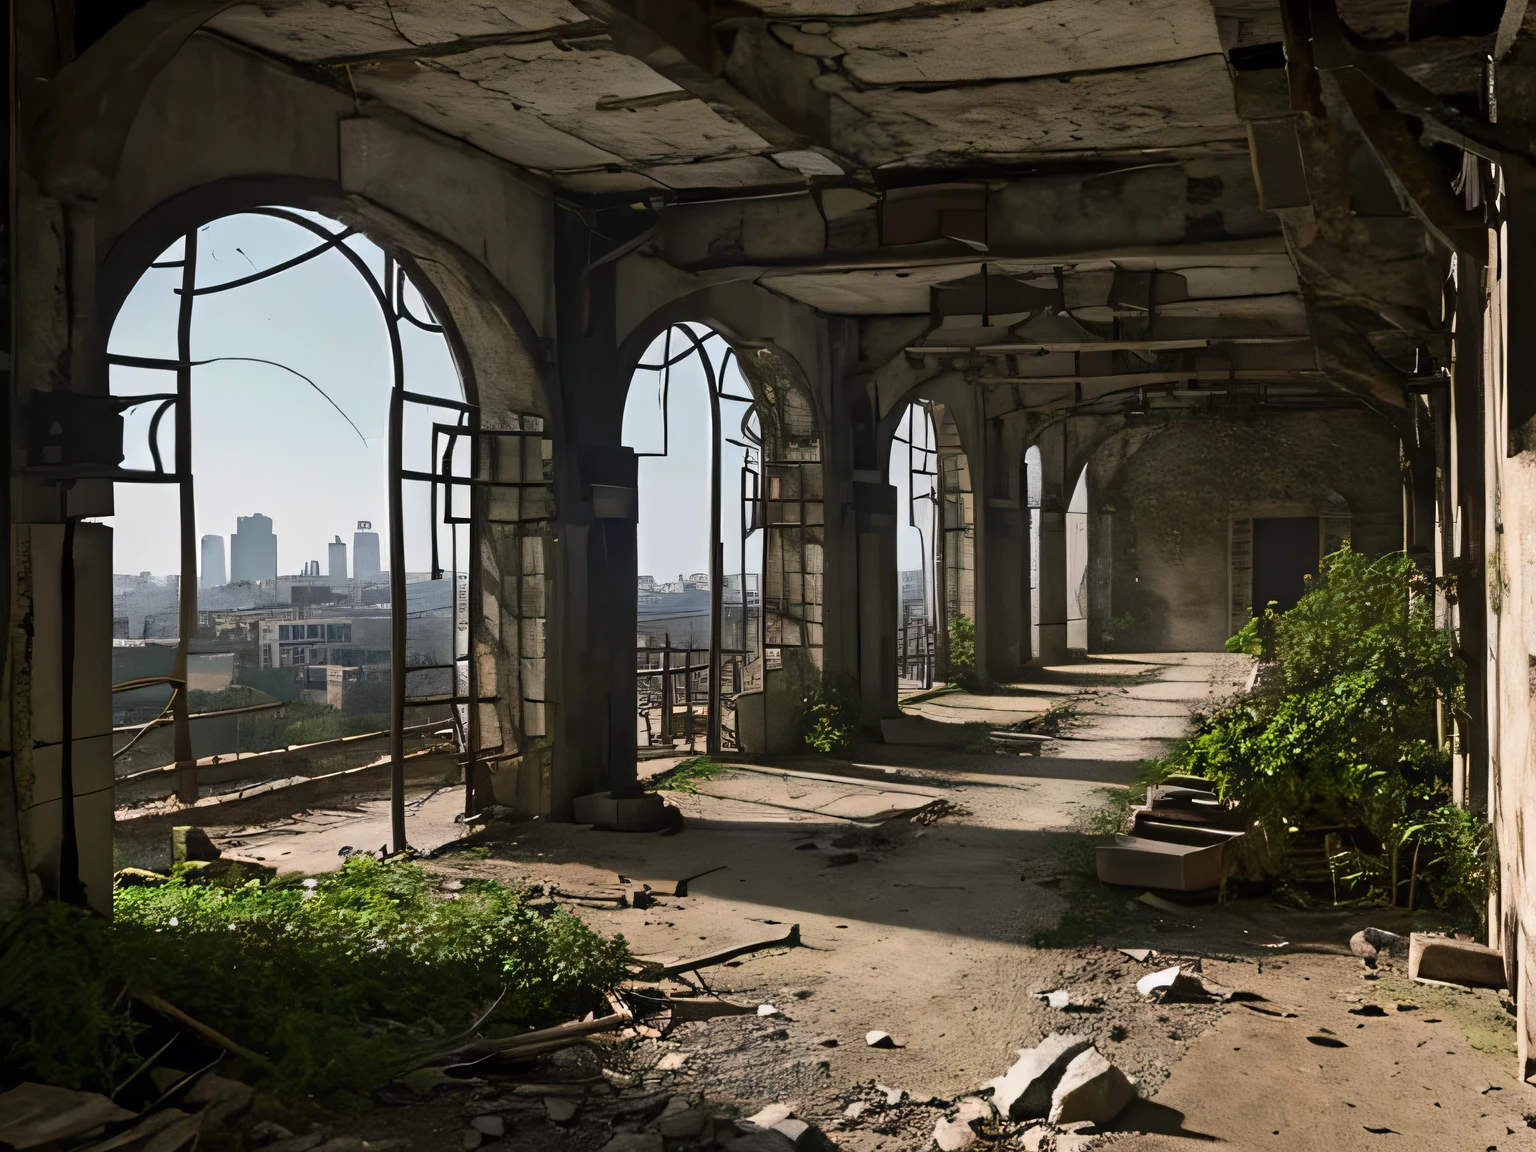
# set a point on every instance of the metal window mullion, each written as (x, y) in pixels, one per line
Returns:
(186, 765)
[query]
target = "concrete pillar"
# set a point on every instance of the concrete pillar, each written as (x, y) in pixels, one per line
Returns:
(1054, 494)
(875, 516)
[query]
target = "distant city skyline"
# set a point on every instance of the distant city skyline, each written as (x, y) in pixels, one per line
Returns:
(263, 439)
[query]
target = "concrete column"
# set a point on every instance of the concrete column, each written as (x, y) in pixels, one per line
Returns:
(1054, 494)
(875, 516)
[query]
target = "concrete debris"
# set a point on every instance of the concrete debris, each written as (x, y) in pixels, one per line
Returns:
(1057, 999)
(561, 1109)
(771, 1115)
(878, 1039)
(1179, 984)
(1140, 955)
(893, 1096)
(687, 1124)
(34, 1114)
(973, 1109)
(1370, 944)
(1024, 1091)
(672, 1062)
(855, 1110)
(1033, 1139)
(1453, 961)
(952, 1136)
(804, 1136)
(1075, 1142)
(635, 1142)
(767, 1010)
(1091, 1089)
(491, 1125)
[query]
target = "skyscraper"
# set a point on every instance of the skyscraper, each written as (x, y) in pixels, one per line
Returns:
(253, 549)
(337, 558)
(212, 572)
(365, 553)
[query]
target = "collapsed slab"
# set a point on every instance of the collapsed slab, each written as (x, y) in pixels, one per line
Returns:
(1134, 861)
(1454, 961)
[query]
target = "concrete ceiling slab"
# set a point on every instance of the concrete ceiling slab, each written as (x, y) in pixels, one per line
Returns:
(1043, 39)
(313, 30)
(1161, 106)
(444, 101)
(867, 291)
(735, 172)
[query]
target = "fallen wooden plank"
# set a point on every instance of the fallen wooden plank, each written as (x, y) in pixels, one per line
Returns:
(531, 1043)
(790, 939)
(692, 1007)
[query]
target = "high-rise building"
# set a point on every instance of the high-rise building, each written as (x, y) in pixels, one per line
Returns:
(253, 549)
(337, 559)
(365, 553)
(212, 573)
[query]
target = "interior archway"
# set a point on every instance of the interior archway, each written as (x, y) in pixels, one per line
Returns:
(914, 473)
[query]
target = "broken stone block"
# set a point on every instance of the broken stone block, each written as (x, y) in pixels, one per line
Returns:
(1033, 1139)
(561, 1109)
(490, 1125)
(685, 1125)
(855, 1110)
(952, 1135)
(805, 1137)
(973, 1109)
(1454, 961)
(893, 1096)
(1091, 1089)
(877, 1039)
(1024, 1091)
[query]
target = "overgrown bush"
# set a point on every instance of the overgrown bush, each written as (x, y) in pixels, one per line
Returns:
(961, 658)
(1340, 732)
(342, 981)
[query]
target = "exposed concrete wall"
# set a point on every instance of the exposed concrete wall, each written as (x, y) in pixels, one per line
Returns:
(1161, 499)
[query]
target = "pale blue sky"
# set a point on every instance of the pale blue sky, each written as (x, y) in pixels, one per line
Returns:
(264, 440)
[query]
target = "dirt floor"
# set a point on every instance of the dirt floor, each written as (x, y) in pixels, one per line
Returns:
(937, 893)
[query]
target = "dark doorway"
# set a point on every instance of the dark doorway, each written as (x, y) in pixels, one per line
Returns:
(1285, 553)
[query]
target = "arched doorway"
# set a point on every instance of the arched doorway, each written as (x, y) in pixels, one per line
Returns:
(275, 360)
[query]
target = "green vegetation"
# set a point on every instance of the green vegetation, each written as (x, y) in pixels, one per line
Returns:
(686, 776)
(1339, 738)
(831, 718)
(343, 981)
(960, 662)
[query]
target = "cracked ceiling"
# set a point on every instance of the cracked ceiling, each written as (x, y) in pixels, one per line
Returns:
(906, 145)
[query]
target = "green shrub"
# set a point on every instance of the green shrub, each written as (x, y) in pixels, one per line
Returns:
(832, 713)
(961, 659)
(342, 981)
(1342, 732)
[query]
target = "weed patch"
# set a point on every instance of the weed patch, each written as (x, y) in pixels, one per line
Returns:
(342, 981)
(686, 777)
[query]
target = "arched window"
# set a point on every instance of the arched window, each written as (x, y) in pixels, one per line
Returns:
(286, 384)
(914, 472)
(693, 420)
